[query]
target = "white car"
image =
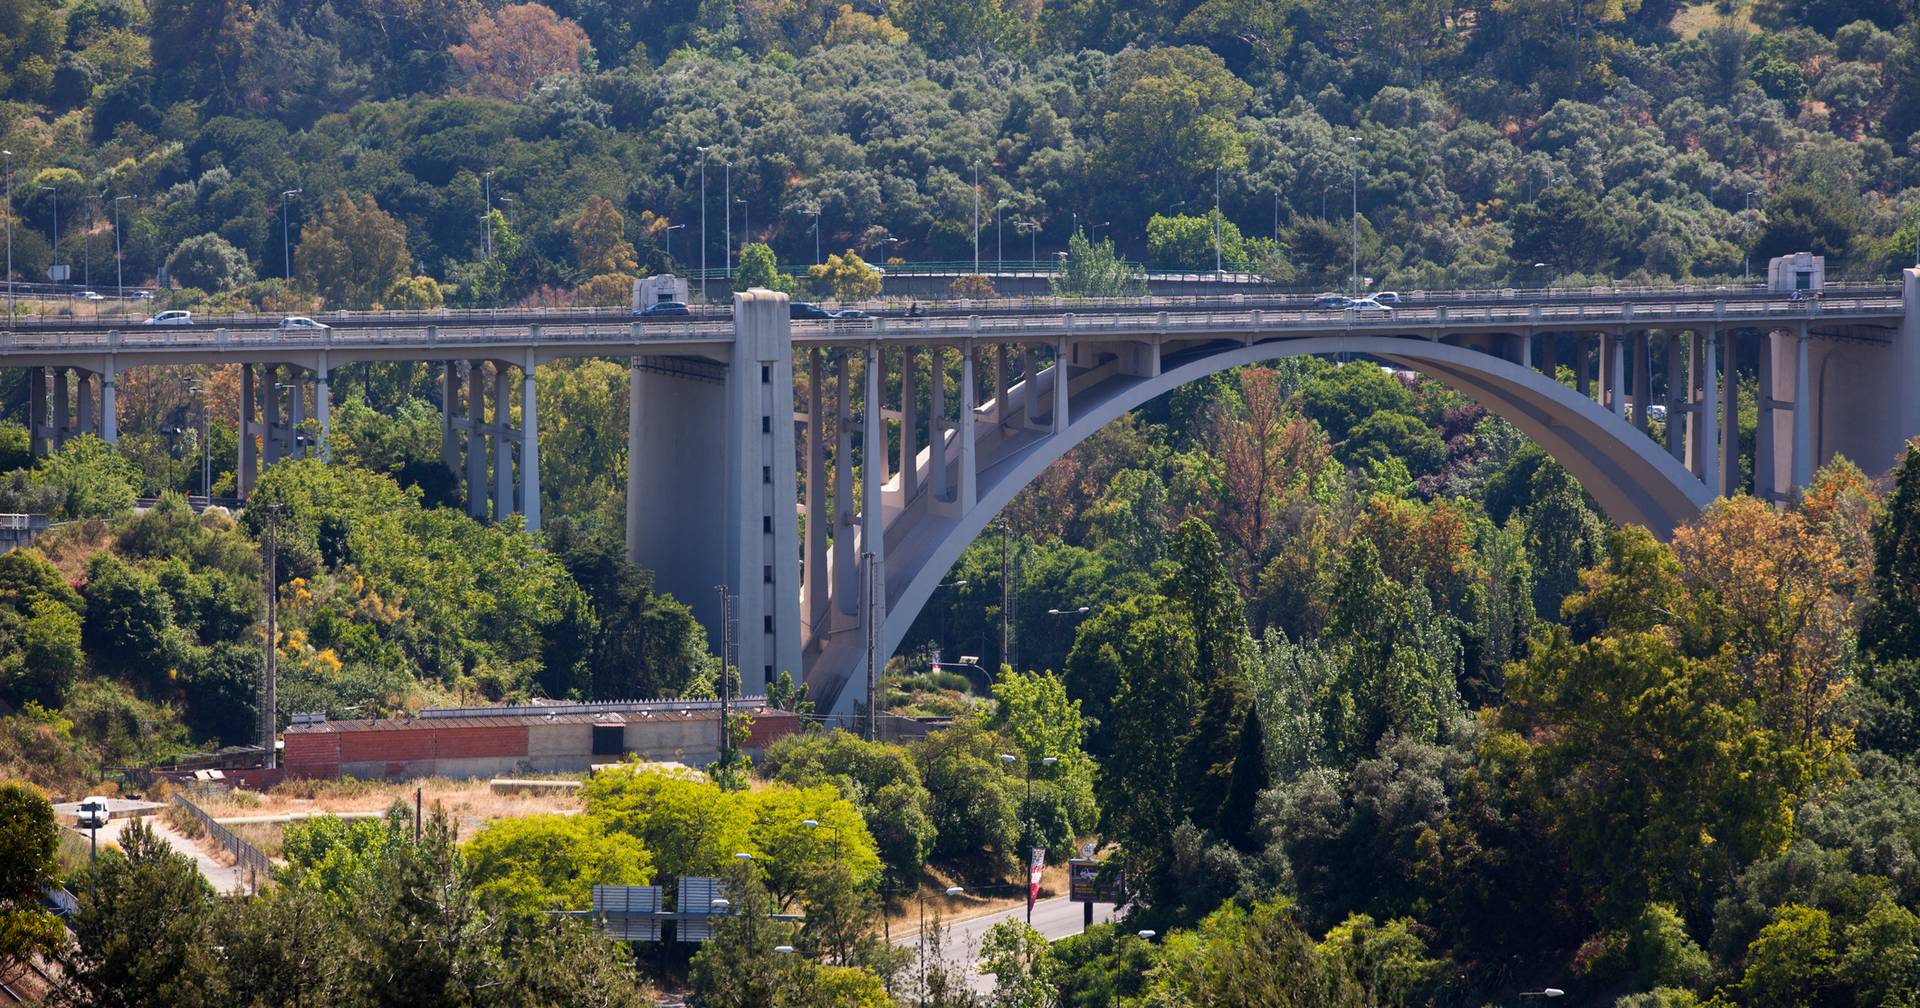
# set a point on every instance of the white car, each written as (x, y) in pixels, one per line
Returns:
(302, 323)
(175, 317)
(1387, 297)
(1367, 304)
(91, 296)
(92, 813)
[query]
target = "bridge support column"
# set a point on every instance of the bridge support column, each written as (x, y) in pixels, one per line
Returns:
(1029, 388)
(873, 461)
(1642, 379)
(39, 428)
(1549, 363)
(61, 396)
(1730, 481)
(909, 467)
(1582, 368)
(449, 402)
(244, 468)
(1000, 385)
(1709, 417)
(270, 427)
(937, 481)
(1678, 402)
(969, 416)
(1616, 374)
(1523, 350)
(529, 446)
(1765, 399)
(502, 445)
(110, 403)
(476, 439)
(815, 577)
(1802, 417)
(83, 422)
(296, 413)
(846, 570)
(323, 408)
(1062, 386)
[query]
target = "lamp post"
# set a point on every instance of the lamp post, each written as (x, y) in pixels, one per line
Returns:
(508, 200)
(56, 227)
(976, 218)
(206, 442)
(1354, 146)
(746, 221)
(486, 196)
(1746, 260)
(671, 228)
(1216, 221)
(816, 233)
(119, 280)
(1093, 230)
(1546, 992)
(286, 247)
(9, 163)
(703, 221)
(726, 199)
(1082, 611)
(999, 239)
(86, 245)
(1026, 810)
(1032, 228)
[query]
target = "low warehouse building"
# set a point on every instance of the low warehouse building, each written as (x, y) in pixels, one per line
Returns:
(461, 742)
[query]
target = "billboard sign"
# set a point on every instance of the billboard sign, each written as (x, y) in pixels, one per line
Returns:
(1089, 881)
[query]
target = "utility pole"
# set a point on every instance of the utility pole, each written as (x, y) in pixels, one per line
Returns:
(119, 279)
(726, 197)
(269, 701)
(1006, 593)
(486, 183)
(286, 254)
(9, 155)
(1355, 148)
(873, 647)
(703, 221)
(1216, 221)
(56, 226)
(976, 218)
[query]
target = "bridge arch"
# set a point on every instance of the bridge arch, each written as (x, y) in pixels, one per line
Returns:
(1633, 479)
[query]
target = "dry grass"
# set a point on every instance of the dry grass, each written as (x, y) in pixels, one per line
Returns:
(471, 803)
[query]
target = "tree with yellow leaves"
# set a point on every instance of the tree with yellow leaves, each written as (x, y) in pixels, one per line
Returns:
(600, 244)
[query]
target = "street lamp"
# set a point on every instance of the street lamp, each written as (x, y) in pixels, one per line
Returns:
(206, 441)
(119, 282)
(1354, 146)
(726, 199)
(1082, 611)
(486, 196)
(1026, 807)
(1216, 221)
(921, 899)
(746, 221)
(508, 200)
(56, 229)
(703, 220)
(1746, 224)
(1549, 992)
(671, 228)
(9, 163)
(1032, 228)
(1093, 230)
(976, 218)
(286, 253)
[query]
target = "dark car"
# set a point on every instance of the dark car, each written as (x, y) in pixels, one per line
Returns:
(663, 309)
(1331, 302)
(851, 315)
(806, 310)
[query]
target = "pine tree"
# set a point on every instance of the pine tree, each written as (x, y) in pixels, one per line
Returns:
(1249, 778)
(1201, 586)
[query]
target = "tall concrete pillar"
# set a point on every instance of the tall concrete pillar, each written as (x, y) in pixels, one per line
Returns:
(1523, 350)
(296, 413)
(110, 403)
(1697, 395)
(846, 554)
(502, 446)
(1030, 387)
(529, 446)
(476, 439)
(83, 404)
(1642, 379)
(1582, 367)
(1617, 375)
(1062, 387)
(1678, 400)
(61, 396)
(1730, 414)
(449, 402)
(323, 408)
(38, 423)
(271, 428)
(1000, 384)
(1803, 407)
(969, 408)
(1709, 427)
(762, 552)
(1549, 356)
(244, 467)
(909, 467)
(816, 578)
(1765, 395)
(937, 481)
(873, 461)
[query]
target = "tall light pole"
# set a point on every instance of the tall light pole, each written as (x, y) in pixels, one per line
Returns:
(746, 221)
(206, 441)
(1354, 146)
(703, 220)
(671, 228)
(486, 196)
(976, 218)
(726, 198)
(9, 163)
(86, 245)
(999, 238)
(1746, 260)
(119, 279)
(1216, 221)
(286, 248)
(1026, 810)
(508, 200)
(56, 227)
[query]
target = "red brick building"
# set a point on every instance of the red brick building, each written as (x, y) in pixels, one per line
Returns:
(540, 738)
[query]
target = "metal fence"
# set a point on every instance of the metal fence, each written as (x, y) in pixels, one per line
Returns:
(246, 857)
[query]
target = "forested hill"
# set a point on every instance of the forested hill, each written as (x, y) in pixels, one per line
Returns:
(1484, 141)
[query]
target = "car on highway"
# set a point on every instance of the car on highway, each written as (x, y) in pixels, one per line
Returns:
(88, 295)
(852, 315)
(806, 310)
(1387, 297)
(1367, 304)
(1331, 302)
(663, 309)
(92, 813)
(301, 323)
(172, 317)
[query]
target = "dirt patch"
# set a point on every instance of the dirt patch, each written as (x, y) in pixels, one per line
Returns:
(471, 803)
(1691, 21)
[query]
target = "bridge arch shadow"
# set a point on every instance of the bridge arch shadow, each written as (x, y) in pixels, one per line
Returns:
(1633, 479)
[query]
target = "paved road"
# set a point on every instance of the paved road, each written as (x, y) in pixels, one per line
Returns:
(224, 878)
(1055, 918)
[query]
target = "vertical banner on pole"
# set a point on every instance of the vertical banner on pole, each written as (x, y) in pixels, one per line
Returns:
(1035, 864)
